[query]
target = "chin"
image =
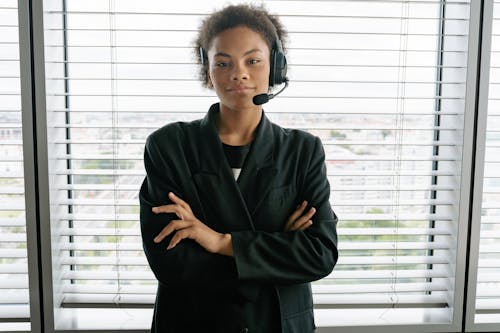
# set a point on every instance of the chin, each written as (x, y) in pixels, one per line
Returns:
(240, 105)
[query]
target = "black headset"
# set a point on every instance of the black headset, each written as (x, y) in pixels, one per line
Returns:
(277, 74)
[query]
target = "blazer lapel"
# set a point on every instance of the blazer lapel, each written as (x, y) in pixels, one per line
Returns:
(215, 180)
(259, 168)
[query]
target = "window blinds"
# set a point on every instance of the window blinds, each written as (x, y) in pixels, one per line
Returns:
(382, 83)
(14, 295)
(488, 276)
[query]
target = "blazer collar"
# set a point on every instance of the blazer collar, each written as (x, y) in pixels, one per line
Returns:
(212, 155)
(258, 170)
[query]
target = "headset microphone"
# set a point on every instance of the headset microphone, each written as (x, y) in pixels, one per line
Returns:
(264, 98)
(260, 99)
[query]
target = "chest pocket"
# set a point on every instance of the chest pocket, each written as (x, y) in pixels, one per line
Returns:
(276, 208)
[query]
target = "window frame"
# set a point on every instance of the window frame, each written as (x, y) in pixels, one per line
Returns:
(478, 172)
(31, 100)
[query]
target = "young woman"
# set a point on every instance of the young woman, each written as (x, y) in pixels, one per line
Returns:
(235, 213)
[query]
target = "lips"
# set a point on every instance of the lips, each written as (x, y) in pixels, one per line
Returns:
(240, 89)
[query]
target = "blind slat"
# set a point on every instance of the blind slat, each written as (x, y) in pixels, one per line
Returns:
(345, 217)
(415, 300)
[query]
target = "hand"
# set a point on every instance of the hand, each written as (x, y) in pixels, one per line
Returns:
(188, 226)
(298, 220)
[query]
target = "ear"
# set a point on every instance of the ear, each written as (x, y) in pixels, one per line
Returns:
(209, 81)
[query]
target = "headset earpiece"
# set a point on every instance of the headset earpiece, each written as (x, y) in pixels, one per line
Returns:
(277, 74)
(203, 56)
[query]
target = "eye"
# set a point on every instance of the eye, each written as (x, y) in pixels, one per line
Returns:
(254, 61)
(221, 64)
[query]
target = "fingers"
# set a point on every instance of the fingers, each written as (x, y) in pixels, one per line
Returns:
(303, 222)
(179, 235)
(179, 201)
(184, 228)
(304, 219)
(178, 210)
(299, 210)
(296, 214)
(304, 226)
(171, 227)
(179, 207)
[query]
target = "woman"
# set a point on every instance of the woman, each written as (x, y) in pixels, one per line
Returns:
(235, 213)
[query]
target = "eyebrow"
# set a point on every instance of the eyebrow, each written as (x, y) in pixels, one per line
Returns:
(222, 54)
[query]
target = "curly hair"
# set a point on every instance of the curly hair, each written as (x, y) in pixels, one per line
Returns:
(256, 18)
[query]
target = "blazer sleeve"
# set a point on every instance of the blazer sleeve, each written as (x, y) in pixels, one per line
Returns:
(187, 263)
(295, 256)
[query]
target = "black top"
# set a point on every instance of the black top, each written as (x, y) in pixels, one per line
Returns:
(236, 154)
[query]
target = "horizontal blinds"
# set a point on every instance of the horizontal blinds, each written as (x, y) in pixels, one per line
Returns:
(382, 83)
(14, 294)
(488, 270)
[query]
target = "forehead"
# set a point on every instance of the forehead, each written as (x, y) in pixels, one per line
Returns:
(238, 39)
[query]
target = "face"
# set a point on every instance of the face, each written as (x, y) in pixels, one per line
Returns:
(239, 67)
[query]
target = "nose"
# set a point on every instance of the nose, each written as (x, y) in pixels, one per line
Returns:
(239, 72)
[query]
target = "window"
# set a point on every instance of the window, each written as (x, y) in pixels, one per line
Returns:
(14, 296)
(389, 87)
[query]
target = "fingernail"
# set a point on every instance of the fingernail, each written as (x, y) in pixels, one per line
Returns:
(156, 239)
(304, 203)
(154, 209)
(171, 194)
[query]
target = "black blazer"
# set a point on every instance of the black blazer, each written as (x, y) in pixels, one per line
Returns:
(203, 292)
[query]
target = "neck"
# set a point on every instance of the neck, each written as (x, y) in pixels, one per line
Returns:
(237, 127)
